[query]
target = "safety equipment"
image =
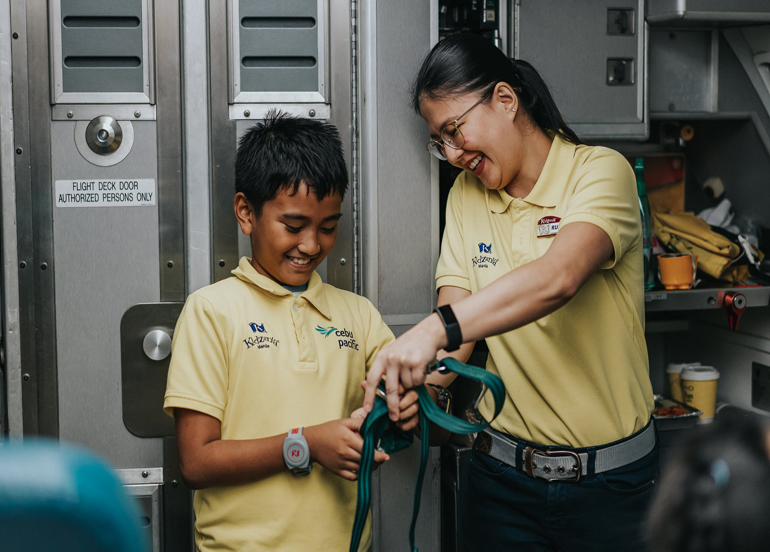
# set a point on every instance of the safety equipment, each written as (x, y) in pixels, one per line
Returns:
(379, 432)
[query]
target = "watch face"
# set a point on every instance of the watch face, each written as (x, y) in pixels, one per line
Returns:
(296, 454)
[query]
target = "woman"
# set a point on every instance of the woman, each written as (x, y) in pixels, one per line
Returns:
(715, 495)
(542, 257)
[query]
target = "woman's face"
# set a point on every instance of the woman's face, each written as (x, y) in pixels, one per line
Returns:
(489, 150)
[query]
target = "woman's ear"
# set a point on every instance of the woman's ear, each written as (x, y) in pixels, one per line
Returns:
(243, 212)
(506, 98)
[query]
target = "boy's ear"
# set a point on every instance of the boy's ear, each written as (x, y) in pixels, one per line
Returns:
(243, 212)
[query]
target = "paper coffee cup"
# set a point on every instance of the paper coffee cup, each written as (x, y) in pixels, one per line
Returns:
(699, 386)
(674, 372)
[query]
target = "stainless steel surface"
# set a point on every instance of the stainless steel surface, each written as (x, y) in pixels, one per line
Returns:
(107, 261)
(157, 345)
(103, 135)
(109, 158)
(11, 418)
(696, 299)
(142, 376)
(177, 503)
(31, 96)
(171, 262)
(237, 95)
(684, 71)
(197, 143)
(224, 230)
(746, 57)
(354, 150)
(590, 107)
(149, 499)
(140, 476)
(58, 95)
(79, 112)
(257, 111)
(700, 12)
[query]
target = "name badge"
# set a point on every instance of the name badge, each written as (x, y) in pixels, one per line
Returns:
(547, 226)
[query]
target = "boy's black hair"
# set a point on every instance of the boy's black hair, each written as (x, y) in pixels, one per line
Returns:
(282, 152)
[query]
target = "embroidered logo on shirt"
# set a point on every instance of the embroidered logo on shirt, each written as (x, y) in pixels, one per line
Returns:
(483, 261)
(344, 337)
(257, 327)
(260, 342)
(547, 226)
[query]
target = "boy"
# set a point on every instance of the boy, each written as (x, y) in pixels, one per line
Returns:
(260, 355)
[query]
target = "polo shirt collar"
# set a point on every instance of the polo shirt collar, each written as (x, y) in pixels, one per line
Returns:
(545, 193)
(314, 294)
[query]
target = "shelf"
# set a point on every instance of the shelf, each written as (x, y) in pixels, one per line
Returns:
(698, 299)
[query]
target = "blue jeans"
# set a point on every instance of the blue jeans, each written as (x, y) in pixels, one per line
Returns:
(509, 510)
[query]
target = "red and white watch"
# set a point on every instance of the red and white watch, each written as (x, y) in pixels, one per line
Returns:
(296, 453)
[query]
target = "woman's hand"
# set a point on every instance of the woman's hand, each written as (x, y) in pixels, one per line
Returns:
(337, 445)
(404, 361)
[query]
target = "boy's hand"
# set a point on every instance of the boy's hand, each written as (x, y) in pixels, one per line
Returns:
(409, 410)
(337, 445)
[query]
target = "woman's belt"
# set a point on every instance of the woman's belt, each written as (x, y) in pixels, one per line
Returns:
(564, 464)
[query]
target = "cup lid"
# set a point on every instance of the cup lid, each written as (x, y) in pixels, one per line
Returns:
(677, 367)
(700, 373)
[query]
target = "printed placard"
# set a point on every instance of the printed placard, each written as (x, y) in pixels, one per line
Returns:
(130, 192)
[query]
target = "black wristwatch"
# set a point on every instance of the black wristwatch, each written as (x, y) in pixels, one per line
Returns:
(454, 336)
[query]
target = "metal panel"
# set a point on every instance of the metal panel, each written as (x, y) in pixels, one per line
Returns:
(149, 501)
(578, 75)
(278, 51)
(169, 152)
(102, 51)
(11, 419)
(683, 71)
(197, 168)
(707, 11)
(31, 110)
(143, 380)
(80, 112)
(107, 261)
(404, 196)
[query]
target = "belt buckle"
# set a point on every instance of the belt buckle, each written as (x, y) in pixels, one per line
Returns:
(577, 469)
(529, 468)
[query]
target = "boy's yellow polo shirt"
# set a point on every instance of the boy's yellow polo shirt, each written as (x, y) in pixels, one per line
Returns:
(579, 376)
(261, 361)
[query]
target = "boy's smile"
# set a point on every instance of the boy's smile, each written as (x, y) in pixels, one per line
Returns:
(292, 235)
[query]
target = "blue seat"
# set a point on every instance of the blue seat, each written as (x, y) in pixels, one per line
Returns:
(57, 497)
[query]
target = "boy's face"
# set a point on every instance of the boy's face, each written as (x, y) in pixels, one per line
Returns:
(292, 235)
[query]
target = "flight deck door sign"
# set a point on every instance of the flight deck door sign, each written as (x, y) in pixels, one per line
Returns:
(137, 192)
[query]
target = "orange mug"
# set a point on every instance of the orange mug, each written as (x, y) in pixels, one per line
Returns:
(677, 270)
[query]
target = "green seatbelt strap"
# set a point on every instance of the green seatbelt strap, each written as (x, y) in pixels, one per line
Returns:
(378, 429)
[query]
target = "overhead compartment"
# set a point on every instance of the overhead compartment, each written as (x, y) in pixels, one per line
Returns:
(707, 12)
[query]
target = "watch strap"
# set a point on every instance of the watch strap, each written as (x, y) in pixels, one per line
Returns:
(296, 452)
(454, 335)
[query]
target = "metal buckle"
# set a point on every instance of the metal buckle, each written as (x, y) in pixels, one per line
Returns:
(529, 466)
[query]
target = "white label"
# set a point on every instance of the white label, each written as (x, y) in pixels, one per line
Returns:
(105, 193)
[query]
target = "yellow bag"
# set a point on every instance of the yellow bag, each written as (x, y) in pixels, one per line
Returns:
(717, 254)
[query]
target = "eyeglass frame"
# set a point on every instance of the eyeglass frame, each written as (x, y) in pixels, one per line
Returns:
(441, 142)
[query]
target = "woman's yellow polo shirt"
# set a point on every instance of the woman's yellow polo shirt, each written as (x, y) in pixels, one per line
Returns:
(262, 361)
(579, 376)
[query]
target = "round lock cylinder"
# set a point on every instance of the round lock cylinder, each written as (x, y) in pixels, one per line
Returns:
(104, 135)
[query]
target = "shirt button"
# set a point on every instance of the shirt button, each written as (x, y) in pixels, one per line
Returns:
(296, 307)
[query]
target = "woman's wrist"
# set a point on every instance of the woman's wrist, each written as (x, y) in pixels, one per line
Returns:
(434, 328)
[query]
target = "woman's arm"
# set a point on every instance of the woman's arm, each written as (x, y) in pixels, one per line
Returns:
(517, 298)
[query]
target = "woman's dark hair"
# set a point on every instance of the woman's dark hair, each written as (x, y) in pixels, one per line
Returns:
(282, 152)
(466, 62)
(715, 494)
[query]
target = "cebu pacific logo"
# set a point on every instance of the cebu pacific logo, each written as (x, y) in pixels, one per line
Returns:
(484, 258)
(344, 337)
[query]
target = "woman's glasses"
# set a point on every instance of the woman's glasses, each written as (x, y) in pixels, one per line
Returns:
(450, 136)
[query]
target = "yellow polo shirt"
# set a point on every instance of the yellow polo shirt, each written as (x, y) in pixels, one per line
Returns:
(261, 361)
(579, 376)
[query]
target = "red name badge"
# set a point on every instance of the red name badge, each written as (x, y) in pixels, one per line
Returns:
(547, 226)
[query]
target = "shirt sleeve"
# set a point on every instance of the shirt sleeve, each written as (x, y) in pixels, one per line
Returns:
(378, 335)
(605, 195)
(198, 372)
(452, 269)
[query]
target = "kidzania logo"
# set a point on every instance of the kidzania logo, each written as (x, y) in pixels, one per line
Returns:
(485, 258)
(344, 337)
(259, 341)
